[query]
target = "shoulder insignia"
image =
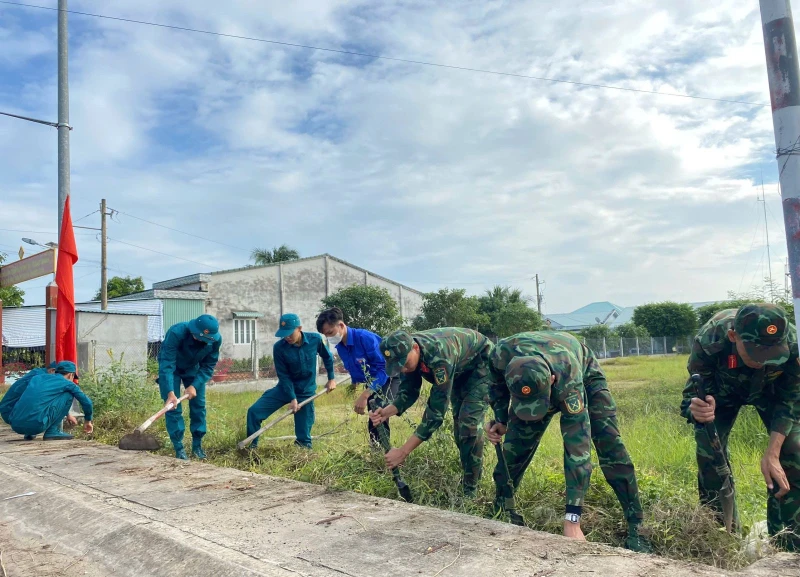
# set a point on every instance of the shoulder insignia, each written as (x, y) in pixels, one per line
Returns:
(574, 403)
(440, 375)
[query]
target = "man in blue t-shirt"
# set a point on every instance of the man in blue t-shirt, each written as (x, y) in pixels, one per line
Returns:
(361, 355)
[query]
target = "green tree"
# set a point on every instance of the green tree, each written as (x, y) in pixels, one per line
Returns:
(11, 296)
(119, 286)
(507, 312)
(450, 308)
(366, 307)
(631, 331)
(283, 253)
(705, 312)
(598, 331)
(666, 319)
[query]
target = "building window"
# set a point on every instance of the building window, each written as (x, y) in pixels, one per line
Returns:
(244, 331)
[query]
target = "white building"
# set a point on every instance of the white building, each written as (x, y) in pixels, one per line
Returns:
(249, 301)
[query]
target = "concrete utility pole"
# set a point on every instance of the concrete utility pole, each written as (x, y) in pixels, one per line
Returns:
(63, 112)
(784, 88)
(103, 260)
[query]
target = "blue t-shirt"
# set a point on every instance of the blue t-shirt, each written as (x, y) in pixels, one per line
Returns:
(363, 350)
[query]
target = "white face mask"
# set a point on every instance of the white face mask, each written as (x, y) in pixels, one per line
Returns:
(335, 339)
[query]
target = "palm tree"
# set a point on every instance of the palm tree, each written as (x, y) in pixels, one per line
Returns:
(262, 256)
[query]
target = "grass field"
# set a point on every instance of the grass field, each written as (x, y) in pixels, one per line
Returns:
(647, 391)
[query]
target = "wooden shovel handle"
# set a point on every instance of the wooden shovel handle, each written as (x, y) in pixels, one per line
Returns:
(167, 407)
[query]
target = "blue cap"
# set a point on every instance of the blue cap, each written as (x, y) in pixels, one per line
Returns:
(288, 323)
(66, 367)
(205, 328)
(52, 365)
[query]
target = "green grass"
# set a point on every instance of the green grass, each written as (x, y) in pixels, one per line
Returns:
(648, 395)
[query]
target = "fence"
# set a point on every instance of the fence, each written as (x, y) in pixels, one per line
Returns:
(608, 348)
(19, 360)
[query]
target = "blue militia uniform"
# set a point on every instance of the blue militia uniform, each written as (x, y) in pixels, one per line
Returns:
(297, 379)
(45, 404)
(184, 359)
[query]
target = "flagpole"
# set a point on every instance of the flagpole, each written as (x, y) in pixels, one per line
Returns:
(63, 112)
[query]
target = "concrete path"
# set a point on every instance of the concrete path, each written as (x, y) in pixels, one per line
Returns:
(101, 511)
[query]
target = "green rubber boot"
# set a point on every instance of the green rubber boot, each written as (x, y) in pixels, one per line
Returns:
(636, 542)
(197, 449)
(180, 453)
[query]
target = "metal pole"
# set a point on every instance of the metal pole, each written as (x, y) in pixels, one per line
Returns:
(780, 48)
(103, 258)
(638, 352)
(63, 112)
(605, 350)
(538, 296)
(665, 345)
(621, 348)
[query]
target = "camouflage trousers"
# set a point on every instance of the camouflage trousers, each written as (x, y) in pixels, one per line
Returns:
(615, 462)
(469, 400)
(782, 513)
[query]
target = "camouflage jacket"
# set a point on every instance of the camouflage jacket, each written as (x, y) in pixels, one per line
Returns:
(445, 353)
(730, 382)
(566, 356)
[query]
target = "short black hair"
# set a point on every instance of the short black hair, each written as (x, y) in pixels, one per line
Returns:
(329, 317)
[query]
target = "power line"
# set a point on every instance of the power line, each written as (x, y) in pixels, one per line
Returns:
(389, 58)
(162, 253)
(40, 231)
(87, 216)
(182, 232)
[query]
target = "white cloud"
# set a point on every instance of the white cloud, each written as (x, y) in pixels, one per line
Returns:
(427, 175)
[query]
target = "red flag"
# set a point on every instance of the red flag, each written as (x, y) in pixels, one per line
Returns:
(66, 340)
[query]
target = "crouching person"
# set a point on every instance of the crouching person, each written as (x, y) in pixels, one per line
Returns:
(46, 402)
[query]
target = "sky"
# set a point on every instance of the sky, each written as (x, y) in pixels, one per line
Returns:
(429, 176)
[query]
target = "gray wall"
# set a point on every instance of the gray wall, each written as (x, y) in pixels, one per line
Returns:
(124, 335)
(294, 286)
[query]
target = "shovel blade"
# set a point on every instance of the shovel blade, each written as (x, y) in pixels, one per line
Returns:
(405, 493)
(137, 441)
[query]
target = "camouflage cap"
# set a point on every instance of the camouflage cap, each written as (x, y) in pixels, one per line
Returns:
(395, 349)
(528, 380)
(763, 329)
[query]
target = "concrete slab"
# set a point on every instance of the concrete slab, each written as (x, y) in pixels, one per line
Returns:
(127, 513)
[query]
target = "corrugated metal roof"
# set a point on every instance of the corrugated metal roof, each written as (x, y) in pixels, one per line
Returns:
(164, 295)
(25, 326)
(181, 281)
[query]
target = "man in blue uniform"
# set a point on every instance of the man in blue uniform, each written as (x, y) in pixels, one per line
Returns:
(189, 354)
(360, 351)
(295, 357)
(15, 391)
(46, 402)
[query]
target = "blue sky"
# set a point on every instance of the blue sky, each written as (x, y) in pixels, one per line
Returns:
(429, 176)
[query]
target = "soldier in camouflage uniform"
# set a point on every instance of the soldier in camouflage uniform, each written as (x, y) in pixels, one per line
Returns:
(548, 372)
(456, 363)
(749, 356)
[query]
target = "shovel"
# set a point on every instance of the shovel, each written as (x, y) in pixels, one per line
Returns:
(727, 493)
(242, 444)
(505, 487)
(138, 441)
(402, 487)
